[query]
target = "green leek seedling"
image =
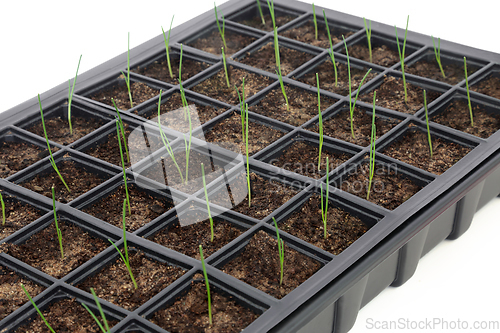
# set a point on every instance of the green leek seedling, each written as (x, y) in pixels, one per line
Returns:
(123, 168)
(223, 30)
(37, 309)
(127, 78)
(167, 43)
(122, 129)
(59, 233)
(372, 149)
(207, 285)
(103, 316)
(52, 161)
(208, 205)
(246, 151)
(324, 207)
(402, 56)
(330, 51)
(260, 12)
(278, 65)
(369, 37)
(125, 248)
(468, 94)
(188, 115)
(271, 12)
(241, 98)
(3, 208)
(437, 53)
(427, 122)
(225, 67)
(281, 250)
(70, 96)
(320, 123)
(315, 23)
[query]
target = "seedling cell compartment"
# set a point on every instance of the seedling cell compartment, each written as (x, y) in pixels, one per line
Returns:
(387, 254)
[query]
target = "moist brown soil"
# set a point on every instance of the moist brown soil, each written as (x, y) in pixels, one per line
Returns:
(159, 69)
(457, 116)
(16, 156)
(78, 180)
(42, 250)
(17, 216)
(326, 75)
(306, 34)
(186, 239)
(12, 295)
(413, 149)
(381, 55)
(144, 208)
(113, 282)
(213, 42)
(302, 105)
(58, 129)
(302, 158)
(258, 265)
(65, 316)
(389, 189)
(256, 21)
(216, 86)
(430, 69)
(342, 228)
(339, 126)
(229, 131)
(390, 95)
(264, 58)
(489, 86)
(119, 93)
(189, 313)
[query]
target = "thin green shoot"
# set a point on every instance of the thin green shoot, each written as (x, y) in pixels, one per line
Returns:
(167, 43)
(427, 123)
(37, 309)
(324, 206)
(3, 208)
(187, 114)
(127, 77)
(183, 96)
(52, 161)
(225, 67)
(208, 205)
(351, 104)
(437, 53)
(70, 95)
(468, 94)
(103, 316)
(125, 248)
(59, 233)
(330, 51)
(369, 37)
(372, 149)
(122, 129)
(241, 98)
(320, 124)
(222, 30)
(402, 56)
(123, 168)
(281, 250)
(315, 23)
(278, 65)
(271, 12)
(205, 275)
(260, 12)
(246, 152)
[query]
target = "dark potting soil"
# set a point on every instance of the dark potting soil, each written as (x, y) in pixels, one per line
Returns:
(489, 86)
(16, 156)
(228, 130)
(77, 178)
(113, 282)
(457, 116)
(42, 250)
(306, 34)
(119, 93)
(430, 69)
(258, 265)
(256, 21)
(414, 149)
(302, 158)
(17, 216)
(302, 105)
(264, 58)
(216, 86)
(144, 208)
(189, 313)
(389, 189)
(12, 295)
(339, 126)
(159, 69)
(213, 42)
(390, 95)
(381, 55)
(342, 228)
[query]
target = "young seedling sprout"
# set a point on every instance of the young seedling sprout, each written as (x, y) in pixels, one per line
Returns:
(37, 309)
(125, 248)
(225, 67)
(427, 122)
(59, 233)
(271, 12)
(123, 168)
(52, 161)
(369, 37)
(205, 275)
(70, 96)
(103, 316)
(278, 72)
(324, 207)
(315, 23)
(281, 250)
(127, 77)
(122, 129)
(402, 56)
(244, 133)
(330, 51)
(3, 208)
(187, 114)
(208, 205)
(372, 150)
(468, 94)
(222, 30)
(260, 12)
(167, 43)
(437, 53)
(320, 124)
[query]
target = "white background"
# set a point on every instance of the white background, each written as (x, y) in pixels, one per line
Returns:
(41, 42)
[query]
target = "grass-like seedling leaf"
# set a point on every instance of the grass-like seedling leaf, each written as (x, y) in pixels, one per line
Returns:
(372, 149)
(281, 250)
(52, 161)
(271, 12)
(320, 124)
(468, 94)
(125, 248)
(244, 133)
(187, 114)
(3, 208)
(70, 95)
(278, 66)
(208, 205)
(103, 316)
(205, 275)
(59, 233)
(427, 123)
(315, 23)
(222, 30)
(127, 77)
(37, 309)
(123, 167)
(324, 206)
(369, 37)
(260, 12)
(241, 98)
(225, 67)
(122, 129)
(437, 53)
(167, 43)
(330, 51)
(402, 55)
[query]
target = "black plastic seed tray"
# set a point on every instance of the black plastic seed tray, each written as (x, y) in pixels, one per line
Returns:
(329, 300)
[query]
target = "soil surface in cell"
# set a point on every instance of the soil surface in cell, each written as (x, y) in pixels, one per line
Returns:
(489, 86)
(381, 54)
(119, 93)
(256, 21)
(16, 156)
(454, 72)
(213, 42)
(17, 216)
(306, 34)
(159, 69)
